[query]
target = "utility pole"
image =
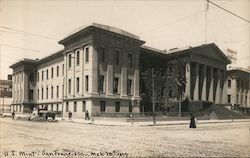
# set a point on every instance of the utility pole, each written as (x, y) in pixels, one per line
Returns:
(206, 9)
(153, 96)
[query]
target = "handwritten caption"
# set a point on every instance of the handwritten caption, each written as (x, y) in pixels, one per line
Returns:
(58, 153)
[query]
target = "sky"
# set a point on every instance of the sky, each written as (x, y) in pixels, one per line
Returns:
(32, 29)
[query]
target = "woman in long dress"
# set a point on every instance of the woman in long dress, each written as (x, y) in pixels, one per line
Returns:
(192, 122)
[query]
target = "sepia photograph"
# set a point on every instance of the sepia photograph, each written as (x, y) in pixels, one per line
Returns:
(124, 78)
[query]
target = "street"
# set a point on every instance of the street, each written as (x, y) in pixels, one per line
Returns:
(67, 139)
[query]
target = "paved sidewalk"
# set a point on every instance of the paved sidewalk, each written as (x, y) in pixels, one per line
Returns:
(112, 122)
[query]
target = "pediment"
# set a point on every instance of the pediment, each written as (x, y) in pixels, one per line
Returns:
(213, 52)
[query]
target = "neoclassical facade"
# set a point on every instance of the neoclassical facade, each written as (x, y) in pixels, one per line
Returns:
(201, 69)
(98, 71)
(101, 70)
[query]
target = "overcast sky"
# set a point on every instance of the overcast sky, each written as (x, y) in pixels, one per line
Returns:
(162, 24)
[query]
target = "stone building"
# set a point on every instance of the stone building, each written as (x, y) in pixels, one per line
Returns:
(105, 70)
(238, 91)
(197, 72)
(98, 71)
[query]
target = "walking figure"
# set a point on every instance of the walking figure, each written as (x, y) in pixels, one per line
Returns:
(70, 115)
(13, 114)
(192, 122)
(87, 115)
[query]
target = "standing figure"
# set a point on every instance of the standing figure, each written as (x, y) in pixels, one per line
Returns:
(192, 122)
(70, 115)
(87, 115)
(13, 114)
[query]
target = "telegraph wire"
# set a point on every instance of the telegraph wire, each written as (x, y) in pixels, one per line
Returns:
(33, 34)
(10, 46)
(228, 11)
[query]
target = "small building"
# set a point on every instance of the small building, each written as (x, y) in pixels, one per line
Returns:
(5, 95)
(238, 88)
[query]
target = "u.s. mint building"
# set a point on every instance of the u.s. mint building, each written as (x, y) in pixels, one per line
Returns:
(104, 69)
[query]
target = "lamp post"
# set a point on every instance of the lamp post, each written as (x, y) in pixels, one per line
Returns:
(153, 96)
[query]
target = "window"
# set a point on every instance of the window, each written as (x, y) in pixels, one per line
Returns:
(87, 83)
(38, 94)
(77, 85)
(57, 107)
(47, 74)
(52, 92)
(31, 94)
(170, 70)
(130, 60)
(75, 106)
(117, 106)
(77, 58)
(47, 92)
(51, 107)
(52, 72)
(87, 55)
(83, 106)
(42, 75)
(129, 87)
(162, 91)
(228, 98)
(102, 54)
(57, 91)
(103, 106)
(229, 83)
(62, 69)
(42, 93)
(170, 92)
(37, 76)
(69, 60)
(117, 57)
(69, 86)
(116, 83)
(130, 107)
(101, 83)
(67, 106)
(57, 71)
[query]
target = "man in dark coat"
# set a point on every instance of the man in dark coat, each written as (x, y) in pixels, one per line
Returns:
(13, 114)
(70, 115)
(192, 122)
(87, 115)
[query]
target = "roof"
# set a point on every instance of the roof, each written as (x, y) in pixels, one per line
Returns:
(99, 26)
(186, 50)
(23, 61)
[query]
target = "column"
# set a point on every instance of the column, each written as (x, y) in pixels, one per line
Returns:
(243, 93)
(240, 92)
(93, 79)
(211, 89)
(188, 79)
(109, 81)
(218, 87)
(224, 88)
(25, 86)
(136, 77)
(196, 82)
(204, 84)
(124, 74)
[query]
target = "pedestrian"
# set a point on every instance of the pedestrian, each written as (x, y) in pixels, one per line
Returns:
(192, 122)
(70, 115)
(13, 114)
(87, 115)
